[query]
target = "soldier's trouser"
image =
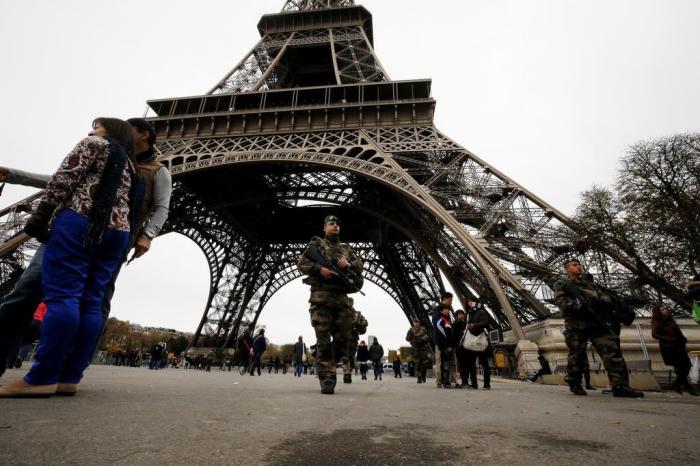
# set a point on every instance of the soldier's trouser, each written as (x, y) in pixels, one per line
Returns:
(421, 360)
(607, 345)
(333, 327)
(438, 369)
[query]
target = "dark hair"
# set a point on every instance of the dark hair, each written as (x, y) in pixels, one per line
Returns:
(570, 260)
(473, 298)
(144, 126)
(442, 306)
(445, 294)
(460, 311)
(119, 130)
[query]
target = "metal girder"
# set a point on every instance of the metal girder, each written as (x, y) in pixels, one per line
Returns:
(302, 5)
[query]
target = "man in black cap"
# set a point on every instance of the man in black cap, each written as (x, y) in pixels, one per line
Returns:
(17, 310)
(331, 310)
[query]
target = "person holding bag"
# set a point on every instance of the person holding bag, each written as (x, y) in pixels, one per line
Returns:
(85, 217)
(300, 356)
(476, 343)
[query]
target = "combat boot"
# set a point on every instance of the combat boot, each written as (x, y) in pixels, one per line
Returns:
(347, 378)
(328, 386)
(577, 389)
(624, 391)
(691, 390)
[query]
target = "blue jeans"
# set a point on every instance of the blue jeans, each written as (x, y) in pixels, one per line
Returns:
(298, 367)
(378, 369)
(74, 279)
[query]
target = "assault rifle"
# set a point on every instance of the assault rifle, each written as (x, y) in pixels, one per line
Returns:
(619, 311)
(593, 307)
(349, 278)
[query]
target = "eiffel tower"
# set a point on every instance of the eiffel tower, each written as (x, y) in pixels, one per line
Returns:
(310, 123)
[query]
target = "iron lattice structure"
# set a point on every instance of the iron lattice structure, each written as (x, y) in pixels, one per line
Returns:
(309, 123)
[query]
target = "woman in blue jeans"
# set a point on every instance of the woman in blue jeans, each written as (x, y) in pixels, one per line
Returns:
(90, 204)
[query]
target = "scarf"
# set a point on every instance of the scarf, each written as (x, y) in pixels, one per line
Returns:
(106, 193)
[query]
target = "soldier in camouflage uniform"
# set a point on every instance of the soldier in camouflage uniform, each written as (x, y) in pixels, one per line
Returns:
(587, 310)
(332, 314)
(420, 342)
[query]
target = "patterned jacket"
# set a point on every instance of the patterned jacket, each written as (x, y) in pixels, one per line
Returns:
(76, 180)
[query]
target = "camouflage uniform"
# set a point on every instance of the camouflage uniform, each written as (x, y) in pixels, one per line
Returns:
(420, 342)
(332, 315)
(594, 323)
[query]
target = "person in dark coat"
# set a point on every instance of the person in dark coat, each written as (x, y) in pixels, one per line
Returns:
(299, 356)
(362, 358)
(259, 347)
(376, 353)
(477, 323)
(672, 345)
(245, 348)
(397, 367)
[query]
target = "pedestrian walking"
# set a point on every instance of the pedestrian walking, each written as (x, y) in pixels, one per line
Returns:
(363, 358)
(396, 365)
(299, 356)
(376, 353)
(244, 347)
(672, 344)
(259, 347)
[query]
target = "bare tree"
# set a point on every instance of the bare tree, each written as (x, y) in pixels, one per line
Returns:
(652, 214)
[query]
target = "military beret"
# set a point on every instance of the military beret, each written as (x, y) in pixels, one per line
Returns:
(331, 218)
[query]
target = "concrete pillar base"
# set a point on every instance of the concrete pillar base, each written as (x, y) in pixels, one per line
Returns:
(526, 352)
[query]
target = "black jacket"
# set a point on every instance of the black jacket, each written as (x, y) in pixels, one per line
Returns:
(362, 354)
(259, 344)
(443, 334)
(458, 329)
(299, 350)
(376, 352)
(480, 319)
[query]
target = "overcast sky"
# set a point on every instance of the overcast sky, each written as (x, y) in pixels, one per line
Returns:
(549, 92)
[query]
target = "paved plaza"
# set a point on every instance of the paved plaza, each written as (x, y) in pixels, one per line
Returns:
(137, 416)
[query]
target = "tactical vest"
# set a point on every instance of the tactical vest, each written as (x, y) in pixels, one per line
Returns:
(332, 251)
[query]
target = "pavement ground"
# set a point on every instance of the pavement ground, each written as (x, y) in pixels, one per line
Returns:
(136, 416)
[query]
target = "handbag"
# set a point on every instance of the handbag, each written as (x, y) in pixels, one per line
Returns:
(475, 343)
